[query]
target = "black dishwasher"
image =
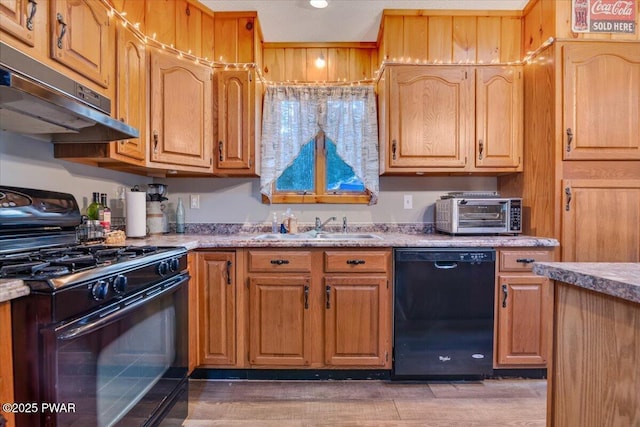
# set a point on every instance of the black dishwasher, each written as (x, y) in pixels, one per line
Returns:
(443, 313)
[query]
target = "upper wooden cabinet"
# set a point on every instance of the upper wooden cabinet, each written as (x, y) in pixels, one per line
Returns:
(131, 89)
(450, 119)
(498, 138)
(80, 38)
(430, 112)
(601, 105)
(18, 18)
(236, 122)
(181, 127)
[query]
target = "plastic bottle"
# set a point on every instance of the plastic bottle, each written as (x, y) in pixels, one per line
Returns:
(94, 207)
(180, 217)
(104, 213)
(274, 223)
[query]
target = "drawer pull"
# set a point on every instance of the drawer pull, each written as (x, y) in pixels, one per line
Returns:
(505, 294)
(355, 261)
(279, 261)
(526, 260)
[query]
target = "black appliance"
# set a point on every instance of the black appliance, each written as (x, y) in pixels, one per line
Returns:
(102, 338)
(443, 313)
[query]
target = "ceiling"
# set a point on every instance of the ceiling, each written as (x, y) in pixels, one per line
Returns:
(342, 20)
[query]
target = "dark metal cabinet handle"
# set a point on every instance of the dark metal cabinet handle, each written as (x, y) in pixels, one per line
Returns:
(394, 147)
(569, 139)
(228, 272)
(155, 142)
(306, 297)
(567, 192)
(220, 147)
(32, 14)
(327, 291)
(480, 149)
(505, 294)
(526, 260)
(279, 261)
(356, 261)
(63, 30)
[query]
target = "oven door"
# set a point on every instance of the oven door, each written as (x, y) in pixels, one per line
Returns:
(126, 364)
(482, 216)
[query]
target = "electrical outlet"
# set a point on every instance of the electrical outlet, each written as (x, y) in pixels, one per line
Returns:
(194, 201)
(408, 201)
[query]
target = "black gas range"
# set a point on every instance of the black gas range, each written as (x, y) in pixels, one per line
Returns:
(104, 327)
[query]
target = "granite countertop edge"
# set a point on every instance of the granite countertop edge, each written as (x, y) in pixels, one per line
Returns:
(617, 279)
(12, 288)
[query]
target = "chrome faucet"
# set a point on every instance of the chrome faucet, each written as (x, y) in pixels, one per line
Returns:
(320, 224)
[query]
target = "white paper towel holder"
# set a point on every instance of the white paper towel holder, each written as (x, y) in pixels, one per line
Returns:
(136, 213)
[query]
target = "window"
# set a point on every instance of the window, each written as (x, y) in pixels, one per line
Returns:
(319, 145)
(319, 175)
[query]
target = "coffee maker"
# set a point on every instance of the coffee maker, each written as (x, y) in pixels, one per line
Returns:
(156, 218)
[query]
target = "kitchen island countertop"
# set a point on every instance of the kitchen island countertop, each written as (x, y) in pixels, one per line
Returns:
(617, 279)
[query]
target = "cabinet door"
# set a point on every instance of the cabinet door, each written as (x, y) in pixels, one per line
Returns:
(279, 320)
(80, 38)
(180, 112)
(602, 106)
(17, 17)
(131, 91)
(499, 104)
(357, 328)
(217, 307)
(235, 116)
(524, 304)
(6, 355)
(431, 117)
(601, 220)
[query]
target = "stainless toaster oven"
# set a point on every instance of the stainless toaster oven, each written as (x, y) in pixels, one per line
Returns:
(493, 215)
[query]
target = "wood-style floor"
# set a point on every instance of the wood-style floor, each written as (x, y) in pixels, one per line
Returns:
(491, 403)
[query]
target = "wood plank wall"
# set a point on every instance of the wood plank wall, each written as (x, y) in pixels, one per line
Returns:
(552, 18)
(474, 37)
(296, 61)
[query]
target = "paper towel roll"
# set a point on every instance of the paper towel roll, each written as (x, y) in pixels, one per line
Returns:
(136, 205)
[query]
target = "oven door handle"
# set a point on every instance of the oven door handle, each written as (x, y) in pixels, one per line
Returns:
(124, 307)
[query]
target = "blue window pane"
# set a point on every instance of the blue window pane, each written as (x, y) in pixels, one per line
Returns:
(340, 176)
(300, 175)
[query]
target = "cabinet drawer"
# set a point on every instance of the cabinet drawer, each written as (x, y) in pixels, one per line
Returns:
(272, 261)
(364, 261)
(523, 260)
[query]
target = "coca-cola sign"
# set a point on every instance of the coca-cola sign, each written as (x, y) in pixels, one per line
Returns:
(603, 16)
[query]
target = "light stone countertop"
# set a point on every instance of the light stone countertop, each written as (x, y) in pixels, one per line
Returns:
(617, 279)
(12, 288)
(387, 240)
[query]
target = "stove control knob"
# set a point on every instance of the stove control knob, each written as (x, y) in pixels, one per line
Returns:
(163, 268)
(120, 284)
(174, 264)
(100, 289)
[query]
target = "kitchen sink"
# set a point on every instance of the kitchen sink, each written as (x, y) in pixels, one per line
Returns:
(318, 236)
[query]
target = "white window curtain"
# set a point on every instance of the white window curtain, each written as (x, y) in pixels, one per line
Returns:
(293, 115)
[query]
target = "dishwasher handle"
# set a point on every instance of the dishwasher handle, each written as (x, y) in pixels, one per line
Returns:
(445, 266)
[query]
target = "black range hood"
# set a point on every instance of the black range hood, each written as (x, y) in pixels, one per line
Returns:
(39, 101)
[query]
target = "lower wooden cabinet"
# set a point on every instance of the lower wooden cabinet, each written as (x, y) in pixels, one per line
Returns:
(356, 320)
(217, 308)
(293, 308)
(523, 310)
(280, 320)
(6, 356)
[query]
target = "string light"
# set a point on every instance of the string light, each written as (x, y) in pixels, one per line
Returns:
(378, 74)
